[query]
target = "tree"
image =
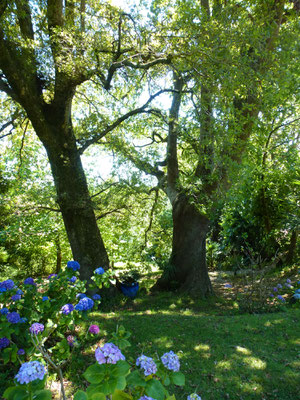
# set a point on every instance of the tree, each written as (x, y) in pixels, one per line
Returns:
(228, 68)
(46, 52)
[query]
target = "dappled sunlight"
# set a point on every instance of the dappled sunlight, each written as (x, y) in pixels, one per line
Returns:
(252, 387)
(164, 341)
(224, 365)
(255, 363)
(243, 350)
(202, 347)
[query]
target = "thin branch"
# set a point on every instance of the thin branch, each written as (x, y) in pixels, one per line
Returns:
(123, 118)
(151, 216)
(22, 146)
(105, 189)
(115, 210)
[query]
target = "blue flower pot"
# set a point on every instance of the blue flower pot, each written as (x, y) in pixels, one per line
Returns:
(130, 290)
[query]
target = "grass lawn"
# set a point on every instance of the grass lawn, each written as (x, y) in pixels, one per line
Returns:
(223, 354)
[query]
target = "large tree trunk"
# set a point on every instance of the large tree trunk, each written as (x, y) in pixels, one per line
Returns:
(187, 268)
(72, 191)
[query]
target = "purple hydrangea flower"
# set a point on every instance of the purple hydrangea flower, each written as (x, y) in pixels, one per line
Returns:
(279, 286)
(21, 352)
(81, 296)
(13, 317)
(94, 329)
(45, 298)
(193, 396)
(96, 297)
(7, 285)
(4, 311)
(29, 281)
(147, 364)
(109, 353)
(4, 342)
(16, 297)
(67, 309)
(70, 340)
(52, 276)
(288, 281)
(30, 371)
(275, 289)
(84, 304)
(36, 328)
(73, 279)
(281, 298)
(99, 271)
(272, 295)
(227, 285)
(74, 265)
(171, 361)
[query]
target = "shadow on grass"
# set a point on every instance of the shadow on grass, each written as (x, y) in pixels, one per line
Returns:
(238, 357)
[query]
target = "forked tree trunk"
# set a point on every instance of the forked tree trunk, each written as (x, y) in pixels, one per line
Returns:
(187, 269)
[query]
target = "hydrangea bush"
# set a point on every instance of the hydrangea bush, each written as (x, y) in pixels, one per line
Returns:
(40, 328)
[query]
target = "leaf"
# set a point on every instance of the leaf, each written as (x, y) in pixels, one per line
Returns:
(15, 393)
(43, 395)
(120, 395)
(98, 396)
(80, 395)
(155, 389)
(122, 368)
(121, 383)
(95, 373)
(135, 379)
(178, 378)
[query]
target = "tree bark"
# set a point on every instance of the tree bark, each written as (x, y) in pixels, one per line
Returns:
(187, 269)
(72, 193)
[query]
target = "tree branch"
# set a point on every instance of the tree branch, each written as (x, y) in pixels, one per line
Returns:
(24, 18)
(123, 118)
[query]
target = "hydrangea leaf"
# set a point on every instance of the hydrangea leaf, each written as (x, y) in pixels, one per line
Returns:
(121, 383)
(15, 393)
(178, 378)
(135, 379)
(109, 386)
(95, 373)
(43, 395)
(80, 395)
(155, 389)
(98, 396)
(120, 395)
(122, 368)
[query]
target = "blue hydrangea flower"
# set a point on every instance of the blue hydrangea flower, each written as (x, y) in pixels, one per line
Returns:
(275, 289)
(74, 265)
(227, 285)
(13, 317)
(296, 296)
(16, 297)
(193, 396)
(52, 276)
(4, 311)
(279, 286)
(73, 279)
(281, 298)
(84, 304)
(171, 361)
(96, 297)
(147, 364)
(146, 398)
(67, 309)
(45, 298)
(99, 271)
(272, 295)
(36, 328)
(7, 285)
(21, 352)
(22, 320)
(29, 281)
(81, 296)
(4, 342)
(30, 371)
(288, 285)
(109, 353)
(297, 291)
(19, 291)
(288, 281)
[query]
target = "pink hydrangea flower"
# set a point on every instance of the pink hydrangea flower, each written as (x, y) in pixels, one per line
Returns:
(94, 329)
